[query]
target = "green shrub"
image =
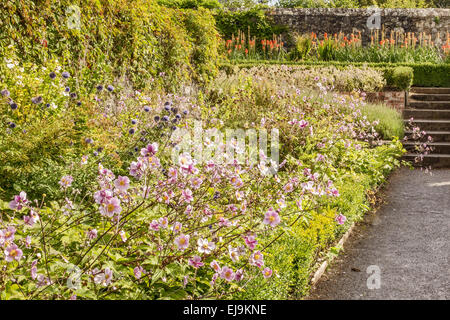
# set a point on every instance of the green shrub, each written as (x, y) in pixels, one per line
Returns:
(202, 32)
(255, 20)
(431, 75)
(402, 78)
(136, 39)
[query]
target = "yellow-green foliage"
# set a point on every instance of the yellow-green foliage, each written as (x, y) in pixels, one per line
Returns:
(138, 39)
(295, 256)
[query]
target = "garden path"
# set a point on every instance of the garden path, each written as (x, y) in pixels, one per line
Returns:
(408, 238)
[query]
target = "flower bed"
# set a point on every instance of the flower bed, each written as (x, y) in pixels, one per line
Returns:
(107, 192)
(96, 207)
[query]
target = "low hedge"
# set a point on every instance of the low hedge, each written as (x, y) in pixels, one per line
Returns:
(425, 74)
(399, 77)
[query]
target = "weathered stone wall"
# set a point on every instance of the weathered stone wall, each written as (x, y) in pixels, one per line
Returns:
(393, 99)
(432, 21)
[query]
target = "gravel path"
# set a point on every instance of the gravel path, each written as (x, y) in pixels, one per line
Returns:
(408, 239)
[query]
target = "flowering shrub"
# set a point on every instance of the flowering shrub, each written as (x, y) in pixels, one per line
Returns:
(341, 79)
(39, 111)
(156, 231)
(128, 220)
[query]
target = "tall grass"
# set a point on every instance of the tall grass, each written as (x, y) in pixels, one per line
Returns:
(390, 123)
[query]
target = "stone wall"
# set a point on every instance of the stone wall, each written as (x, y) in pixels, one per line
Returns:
(393, 99)
(432, 21)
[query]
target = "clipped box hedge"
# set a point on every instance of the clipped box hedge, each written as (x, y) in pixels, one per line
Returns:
(424, 74)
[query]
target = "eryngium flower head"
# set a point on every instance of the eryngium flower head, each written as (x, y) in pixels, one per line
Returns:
(36, 100)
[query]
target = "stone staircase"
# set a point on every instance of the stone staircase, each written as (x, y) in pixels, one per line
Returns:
(430, 108)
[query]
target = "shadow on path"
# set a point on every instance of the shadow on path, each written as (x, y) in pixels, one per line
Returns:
(408, 239)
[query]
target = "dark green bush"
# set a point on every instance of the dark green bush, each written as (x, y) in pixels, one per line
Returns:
(431, 75)
(402, 77)
(261, 26)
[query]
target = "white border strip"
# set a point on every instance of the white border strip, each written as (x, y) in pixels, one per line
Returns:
(323, 267)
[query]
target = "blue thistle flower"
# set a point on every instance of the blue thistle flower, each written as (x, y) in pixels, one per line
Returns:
(99, 87)
(52, 75)
(110, 88)
(131, 131)
(65, 75)
(157, 118)
(13, 105)
(5, 93)
(36, 100)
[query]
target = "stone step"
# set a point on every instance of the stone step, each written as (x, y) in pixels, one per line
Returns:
(430, 96)
(433, 160)
(428, 104)
(434, 114)
(438, 136)
(437, 147)
(431, 125)
(429, 90)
